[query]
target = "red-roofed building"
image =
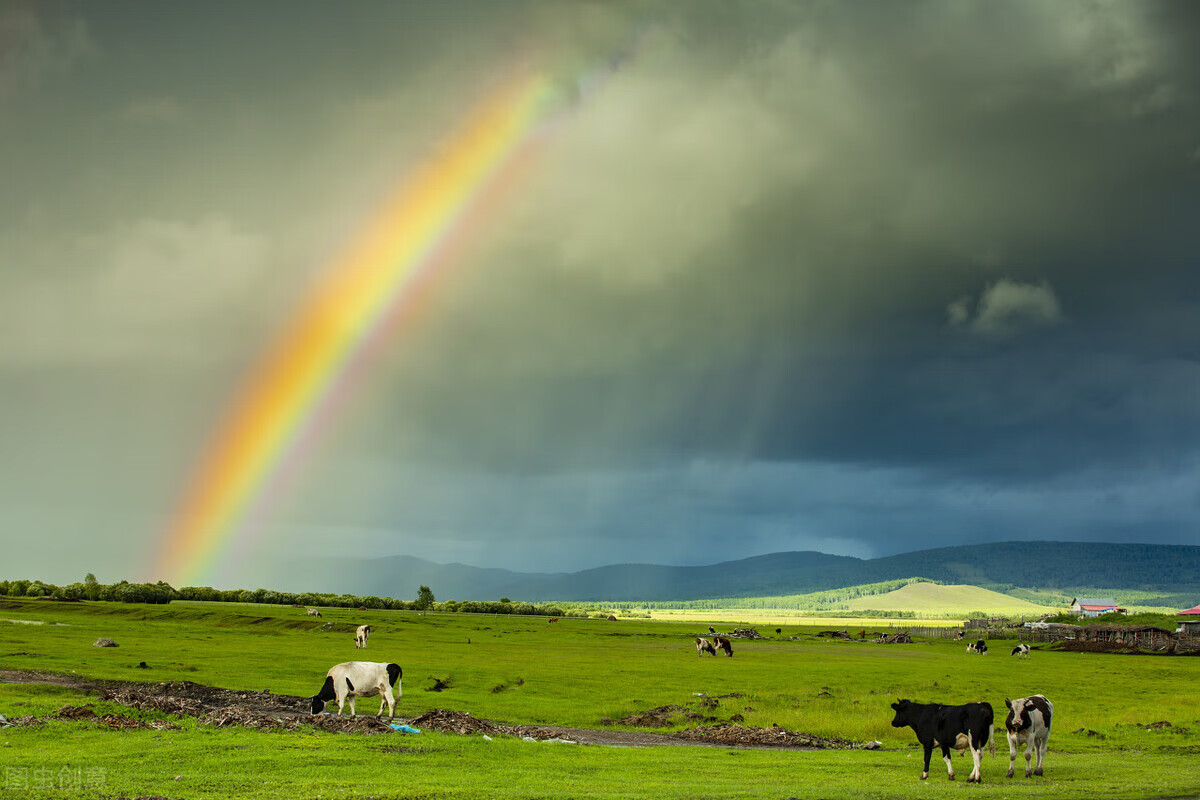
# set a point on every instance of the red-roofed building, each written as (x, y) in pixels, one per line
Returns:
(1189, 627)
(1095, 606)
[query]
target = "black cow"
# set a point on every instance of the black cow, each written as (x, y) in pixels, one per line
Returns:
(978, 647)
(965, 727)
(723, 644)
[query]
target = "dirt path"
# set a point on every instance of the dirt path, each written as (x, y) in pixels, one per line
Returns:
(266, 710)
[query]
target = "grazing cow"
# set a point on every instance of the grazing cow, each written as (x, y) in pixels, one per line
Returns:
(553, 619)
(960, 635)
(978, 647)
(724, 644)
(1020, 651)
(712, 630)
(359, 679)
(705, 646)
(961, 727)
(314, 612)
(1028, 723)
(360, 636)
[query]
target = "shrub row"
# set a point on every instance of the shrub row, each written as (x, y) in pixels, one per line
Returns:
(125, 592)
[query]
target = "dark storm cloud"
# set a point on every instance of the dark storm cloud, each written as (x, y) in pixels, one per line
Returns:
(997, 155)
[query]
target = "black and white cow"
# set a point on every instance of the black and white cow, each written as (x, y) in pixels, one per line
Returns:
(978, 647)
(965, 727)
(361, 635)
(721, 643)
(1028, 723)
(359, 679)
(705, 646)
(1020, 651)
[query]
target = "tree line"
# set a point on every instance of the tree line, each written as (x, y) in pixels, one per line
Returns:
(162, 592)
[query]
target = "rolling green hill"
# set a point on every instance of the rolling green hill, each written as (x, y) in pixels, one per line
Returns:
(957, 599)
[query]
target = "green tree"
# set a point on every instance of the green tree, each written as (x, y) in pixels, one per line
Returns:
(91, 587)
(424, 598)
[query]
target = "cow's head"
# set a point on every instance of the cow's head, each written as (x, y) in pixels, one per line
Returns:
(902, 709)
(327, 693)
(1018, 714)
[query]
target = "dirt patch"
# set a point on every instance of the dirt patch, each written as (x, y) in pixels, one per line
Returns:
(733, 734)
(194, 699)
(459, 722)
(654, 718)
(111, 720)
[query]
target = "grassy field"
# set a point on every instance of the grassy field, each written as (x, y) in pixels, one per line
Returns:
(576, 672)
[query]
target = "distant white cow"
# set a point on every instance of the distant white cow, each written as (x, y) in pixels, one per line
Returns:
(1020, 651)
(359, 679)
(360, 636)
(313, 612)
(1028, 723)
(705, 646)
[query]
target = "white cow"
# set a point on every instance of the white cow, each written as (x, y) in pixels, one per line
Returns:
(360, 636)
(359, 679)
(1020, 651)
(1028, 723)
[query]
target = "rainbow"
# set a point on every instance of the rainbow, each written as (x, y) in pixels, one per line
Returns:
(363, 291)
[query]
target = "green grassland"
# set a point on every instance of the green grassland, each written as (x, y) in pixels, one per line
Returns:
(576, 672)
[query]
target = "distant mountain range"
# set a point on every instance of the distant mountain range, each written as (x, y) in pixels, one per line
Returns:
(1165, 569)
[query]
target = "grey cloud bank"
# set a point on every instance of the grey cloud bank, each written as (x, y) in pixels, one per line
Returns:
(853, 278)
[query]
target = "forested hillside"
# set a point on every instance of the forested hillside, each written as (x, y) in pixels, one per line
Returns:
(1171, 572)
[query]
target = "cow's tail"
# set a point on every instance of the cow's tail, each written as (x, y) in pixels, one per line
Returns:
(991, 742)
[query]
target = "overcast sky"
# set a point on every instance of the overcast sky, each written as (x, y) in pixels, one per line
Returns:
(860, 278)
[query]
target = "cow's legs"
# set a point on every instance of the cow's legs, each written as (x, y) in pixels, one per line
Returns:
(1012, 757)
(928, 754)
(387, 699)
(949, 763)
(351, 705)
(976, 775)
